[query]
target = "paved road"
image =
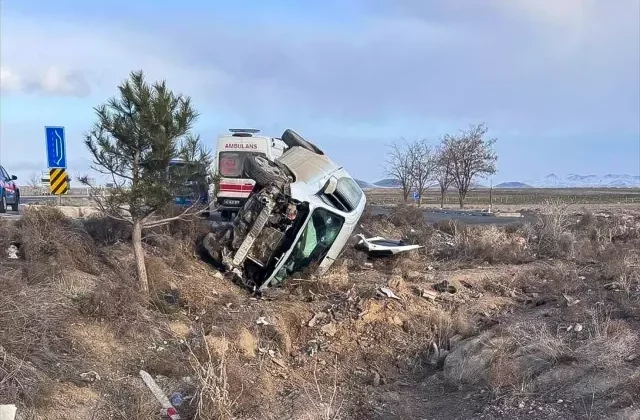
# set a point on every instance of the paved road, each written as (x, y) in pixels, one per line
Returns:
(468, 217)
(431, 215)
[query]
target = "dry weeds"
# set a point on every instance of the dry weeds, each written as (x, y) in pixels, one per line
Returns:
(366, 352)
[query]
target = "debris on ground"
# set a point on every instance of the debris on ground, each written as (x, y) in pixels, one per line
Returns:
(177, 399)
(8, 411)
(382, 247)
(319, 316)
(262, 321)
(428, 294)
(444, 286)
(385, 291)
(570, 300)
(160, 396)
(90, 376)
(12, 252)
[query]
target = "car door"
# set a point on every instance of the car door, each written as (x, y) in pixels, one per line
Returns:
(8, 184)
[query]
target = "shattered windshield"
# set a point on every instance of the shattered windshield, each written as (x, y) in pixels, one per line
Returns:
(318, 236)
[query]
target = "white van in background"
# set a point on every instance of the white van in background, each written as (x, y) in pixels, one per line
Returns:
(232, 186)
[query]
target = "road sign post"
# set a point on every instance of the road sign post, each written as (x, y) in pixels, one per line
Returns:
(57, 160)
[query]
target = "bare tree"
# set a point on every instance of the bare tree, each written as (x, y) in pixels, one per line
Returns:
(444, 169)
(472, 156)
(399, 166)
(136, 137)
(423, 164)
(35, 183)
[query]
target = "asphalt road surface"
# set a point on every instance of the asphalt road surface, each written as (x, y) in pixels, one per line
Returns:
(467, 217)
(430, 215)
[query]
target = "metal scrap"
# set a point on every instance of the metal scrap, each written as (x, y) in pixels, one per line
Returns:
(385, 291)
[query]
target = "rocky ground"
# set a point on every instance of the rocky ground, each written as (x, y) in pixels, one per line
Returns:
(528, 321)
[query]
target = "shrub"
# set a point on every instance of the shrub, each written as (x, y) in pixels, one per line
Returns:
(49, 238)
(107, 231)
(407, 216)
(554, 239)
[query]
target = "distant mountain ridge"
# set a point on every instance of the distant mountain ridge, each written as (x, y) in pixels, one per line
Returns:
(550, 181)
(387, 183)
(514, 184)
(586, 181)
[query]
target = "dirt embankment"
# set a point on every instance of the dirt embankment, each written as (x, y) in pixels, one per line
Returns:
(518, 322)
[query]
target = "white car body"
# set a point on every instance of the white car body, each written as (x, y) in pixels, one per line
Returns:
(312, 172)
(303, 214)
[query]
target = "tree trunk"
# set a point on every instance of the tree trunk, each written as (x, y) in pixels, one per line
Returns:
(138, 253)
(461, 197)
(442, 195)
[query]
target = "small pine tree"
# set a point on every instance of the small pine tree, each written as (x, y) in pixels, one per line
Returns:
(136, 135)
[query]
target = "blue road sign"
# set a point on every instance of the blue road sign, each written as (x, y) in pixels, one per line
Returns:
(56, 147)
(416, 195)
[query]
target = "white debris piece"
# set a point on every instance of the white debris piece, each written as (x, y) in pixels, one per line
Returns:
(388, 293)
(8, 411)
(12, 252)
(160, 396)
(379, 246)
(262, 321)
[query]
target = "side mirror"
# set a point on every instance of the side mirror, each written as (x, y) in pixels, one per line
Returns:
(331, 185)
(13, 177)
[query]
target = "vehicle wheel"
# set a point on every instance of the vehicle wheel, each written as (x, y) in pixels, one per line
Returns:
(263, 171)
(291, 138)
(16, 206)
(3, 203)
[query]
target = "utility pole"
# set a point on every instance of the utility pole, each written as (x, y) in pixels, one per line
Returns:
(491, 197)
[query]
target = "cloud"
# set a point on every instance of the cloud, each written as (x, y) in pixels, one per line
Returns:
(52, 82)
(542, 69)
(530, 65)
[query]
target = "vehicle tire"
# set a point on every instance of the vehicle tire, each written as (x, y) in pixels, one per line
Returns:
(291, 139)
(16, 206)
(3, 202)
(263, 171)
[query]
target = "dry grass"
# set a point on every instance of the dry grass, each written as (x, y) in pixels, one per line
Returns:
(553, 236)
(213, 400)
(53, 329)
(47, 236)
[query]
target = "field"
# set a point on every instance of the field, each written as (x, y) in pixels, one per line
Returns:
(533, 321)
(519, 198)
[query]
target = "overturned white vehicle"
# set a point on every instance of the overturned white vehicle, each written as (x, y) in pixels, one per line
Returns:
(301, 215)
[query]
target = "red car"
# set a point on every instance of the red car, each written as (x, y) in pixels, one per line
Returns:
(9, 191)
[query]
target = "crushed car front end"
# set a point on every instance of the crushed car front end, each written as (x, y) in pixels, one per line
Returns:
(301, 216)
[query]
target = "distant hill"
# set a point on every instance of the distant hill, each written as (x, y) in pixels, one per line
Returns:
(387, 183)
(513, 184)
(587, 181)
(364, 184)
(549, 181)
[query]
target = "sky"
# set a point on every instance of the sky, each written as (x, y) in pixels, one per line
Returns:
(557, 82)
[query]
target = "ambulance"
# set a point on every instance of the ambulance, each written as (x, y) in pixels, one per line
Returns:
(232, 186)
